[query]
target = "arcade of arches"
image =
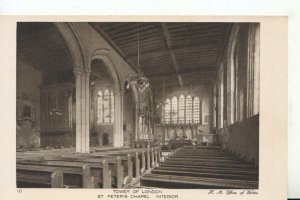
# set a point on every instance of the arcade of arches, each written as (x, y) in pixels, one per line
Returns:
(73, 89)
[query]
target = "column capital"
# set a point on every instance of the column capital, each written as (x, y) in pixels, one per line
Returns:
(87, 71)
(119, 92)
(77, 71)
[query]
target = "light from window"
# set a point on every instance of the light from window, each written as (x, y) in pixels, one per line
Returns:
(112, 105)
(196, 110)
(167, 111)
(189, 110)
(100, 109)
(174, 113)
(181, 109)
(105, 106)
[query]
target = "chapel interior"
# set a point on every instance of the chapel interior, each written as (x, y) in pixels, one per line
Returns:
(136, 104)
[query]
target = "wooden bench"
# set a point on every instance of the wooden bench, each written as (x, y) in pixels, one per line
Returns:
(126, 160)
(115, 168)
(137, 159)
(39, 176)
(75, 175)
(99, 169)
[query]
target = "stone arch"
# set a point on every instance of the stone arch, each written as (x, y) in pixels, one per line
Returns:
(78, 52)
(74, 43)
(103, 54)
(232, 44)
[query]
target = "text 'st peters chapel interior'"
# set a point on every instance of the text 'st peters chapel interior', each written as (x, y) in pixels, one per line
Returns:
(137, 105)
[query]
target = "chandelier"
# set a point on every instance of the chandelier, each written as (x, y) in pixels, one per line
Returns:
(140, 80)
(55, 110)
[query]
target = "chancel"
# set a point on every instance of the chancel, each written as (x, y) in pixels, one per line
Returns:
(137, 105)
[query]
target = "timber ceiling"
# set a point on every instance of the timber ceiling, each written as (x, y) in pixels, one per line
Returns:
(171, 54)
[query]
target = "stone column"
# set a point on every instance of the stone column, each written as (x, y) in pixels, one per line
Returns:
(83, 113)
(118, 126)
(136, 121)
(87, 111)
(77, 73)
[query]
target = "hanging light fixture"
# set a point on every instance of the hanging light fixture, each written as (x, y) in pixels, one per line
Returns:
(172, 112)
(55, 110)
(140, 80)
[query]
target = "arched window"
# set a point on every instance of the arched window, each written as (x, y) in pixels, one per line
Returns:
(100, 107)
(174, 112)
(112, 106)
(189, 110)
(196, 110)
(181, 109)
(105, 106)
(167, 111)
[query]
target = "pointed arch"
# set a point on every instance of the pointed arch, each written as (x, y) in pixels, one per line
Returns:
(103, 54)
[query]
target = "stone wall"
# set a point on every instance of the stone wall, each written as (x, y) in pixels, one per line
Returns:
(29, 81)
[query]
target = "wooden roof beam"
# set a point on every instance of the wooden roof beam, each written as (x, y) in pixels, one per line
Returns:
(202, 70)
(172, 54)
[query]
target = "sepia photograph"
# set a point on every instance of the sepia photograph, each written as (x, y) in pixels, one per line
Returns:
(138, 105)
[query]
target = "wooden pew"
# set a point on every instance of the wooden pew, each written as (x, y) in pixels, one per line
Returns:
(39, 176)
(99, 169)
(126, 160)
(138, 159)
(74, 174)
(115, 167)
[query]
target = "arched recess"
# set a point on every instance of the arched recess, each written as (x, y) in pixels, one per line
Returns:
(231, 71)
(103, 54)
(81, 70)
